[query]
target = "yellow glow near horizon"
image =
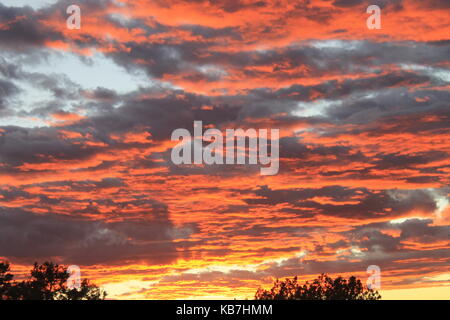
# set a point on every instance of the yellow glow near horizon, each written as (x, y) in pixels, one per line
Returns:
(430, 293)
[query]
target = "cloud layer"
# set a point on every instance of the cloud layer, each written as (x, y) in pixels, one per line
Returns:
(86, 118)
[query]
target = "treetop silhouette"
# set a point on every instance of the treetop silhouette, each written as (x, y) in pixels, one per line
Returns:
(321, 288)
(47, 281)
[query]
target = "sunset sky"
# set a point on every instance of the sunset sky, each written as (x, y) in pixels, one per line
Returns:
(86, 117)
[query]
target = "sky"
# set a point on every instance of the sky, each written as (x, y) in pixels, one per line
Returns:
(86, 116)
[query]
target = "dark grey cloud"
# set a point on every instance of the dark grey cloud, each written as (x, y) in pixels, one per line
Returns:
(7, 90)
(85, 185)
(23, 145)
(371, 236)
(334, 89)
(23, 29)
(265, 195)
(186, 57)
(404, 161)
(85, 242)
(423, 231)
(369, 204)
(385, 105)
(435, 4)
(397, 4)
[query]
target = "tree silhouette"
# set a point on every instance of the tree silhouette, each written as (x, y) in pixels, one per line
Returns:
(47, 281)
(5, 280)
(321, 288)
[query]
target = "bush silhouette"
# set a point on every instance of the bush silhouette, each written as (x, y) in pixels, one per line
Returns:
(321, 288)
(47, 281)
